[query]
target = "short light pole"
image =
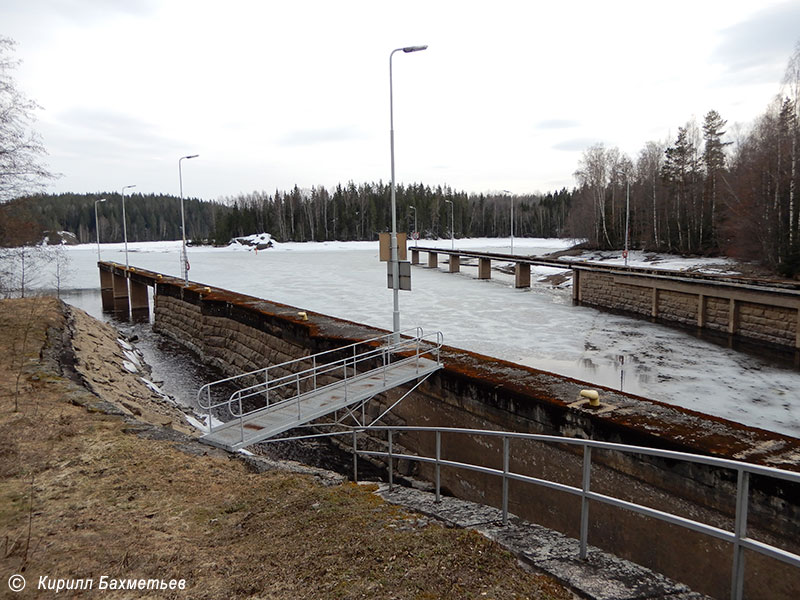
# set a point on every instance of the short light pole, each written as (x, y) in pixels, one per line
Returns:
(627, 213)
(393, 256)
(627, 216)
(125, 224)
(184, 257)
(416, 233)
(97, 226)
(452, 221)
(512, 219)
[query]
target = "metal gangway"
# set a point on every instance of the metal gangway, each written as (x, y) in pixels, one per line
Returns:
(275, 399)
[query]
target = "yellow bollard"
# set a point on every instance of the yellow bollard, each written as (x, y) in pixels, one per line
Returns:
(592, 396)
(303, 315)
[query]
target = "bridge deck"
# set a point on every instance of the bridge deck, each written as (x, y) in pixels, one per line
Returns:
(300, 410)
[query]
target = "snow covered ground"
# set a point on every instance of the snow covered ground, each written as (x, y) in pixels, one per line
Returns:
(538, 326)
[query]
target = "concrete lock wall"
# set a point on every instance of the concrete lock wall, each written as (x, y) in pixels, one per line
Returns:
(238, 333)
(765, 315)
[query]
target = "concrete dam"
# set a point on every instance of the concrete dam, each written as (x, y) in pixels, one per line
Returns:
(238, 333)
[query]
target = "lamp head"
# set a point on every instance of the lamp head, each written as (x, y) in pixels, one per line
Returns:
(102, 200)
(408, 49)
(191, 156)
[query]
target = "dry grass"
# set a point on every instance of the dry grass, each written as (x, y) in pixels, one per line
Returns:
(79, 497)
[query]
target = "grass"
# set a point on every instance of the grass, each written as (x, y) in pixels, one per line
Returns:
(81, 498)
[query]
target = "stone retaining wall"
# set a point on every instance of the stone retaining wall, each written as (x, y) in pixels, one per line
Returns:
(770, 315)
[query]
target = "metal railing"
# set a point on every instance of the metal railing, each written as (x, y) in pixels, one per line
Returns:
(375, 354)
(738, 536)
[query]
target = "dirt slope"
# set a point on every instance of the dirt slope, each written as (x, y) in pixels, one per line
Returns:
(88, 490)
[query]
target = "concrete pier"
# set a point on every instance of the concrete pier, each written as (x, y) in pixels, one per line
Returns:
(433, 260)
(454, 263)
(484, 268)
(140, 306)
(522, 275)
(120, 293)
(107, 290)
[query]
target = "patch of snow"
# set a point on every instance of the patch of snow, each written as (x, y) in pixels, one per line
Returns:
(129, 366)
(154, 388)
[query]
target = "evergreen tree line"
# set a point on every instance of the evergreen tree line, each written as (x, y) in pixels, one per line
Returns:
(701, 194)
(361, 212)
(349, 212)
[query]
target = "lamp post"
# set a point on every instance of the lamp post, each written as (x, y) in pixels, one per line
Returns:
(512, 219)
(393, 256)
(416, 233)
(452, 238)
(97, 226)
(184, 258)
(627, 215)
(125, 224)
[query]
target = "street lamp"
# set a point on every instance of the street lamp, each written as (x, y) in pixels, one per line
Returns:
(452, 239)
(125, 224)
(97, 227)
(393, 257)
(184, 258)
(512, 219)
(416, 233)
(627, 213)
(627, 216)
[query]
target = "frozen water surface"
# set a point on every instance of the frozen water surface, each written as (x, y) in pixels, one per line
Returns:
(538, 327)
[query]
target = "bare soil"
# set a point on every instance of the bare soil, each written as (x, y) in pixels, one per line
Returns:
(82, 496)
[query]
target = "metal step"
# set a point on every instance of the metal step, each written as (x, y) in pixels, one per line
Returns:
(300, 410)
(401, 360)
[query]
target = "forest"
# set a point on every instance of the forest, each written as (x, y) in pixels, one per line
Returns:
(703, 192)
(348, 212)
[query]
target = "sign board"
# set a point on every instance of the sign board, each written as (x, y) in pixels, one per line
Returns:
(385, 239)
(405, 275)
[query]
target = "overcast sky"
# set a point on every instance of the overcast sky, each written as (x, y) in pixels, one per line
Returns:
(277, 93)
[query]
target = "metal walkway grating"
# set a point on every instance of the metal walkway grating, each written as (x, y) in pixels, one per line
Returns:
(335, 380)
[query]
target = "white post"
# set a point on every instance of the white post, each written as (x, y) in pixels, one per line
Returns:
(97, 227)
(393, 256)
(184, 258)
(125, 224)
(452, 222)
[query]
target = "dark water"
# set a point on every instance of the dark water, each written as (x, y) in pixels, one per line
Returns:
(180, 374)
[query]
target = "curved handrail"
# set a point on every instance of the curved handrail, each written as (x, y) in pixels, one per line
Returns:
(418, 345)
(418, 334)
(738, 536)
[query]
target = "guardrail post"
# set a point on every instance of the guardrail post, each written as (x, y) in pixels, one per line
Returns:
(355, 457)
(740, 531)
(587, 471)
(208, 393)
(505, 479)
(391, 473)
(241, 419)
(314, 367)
(297, 378)
(438, 467)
